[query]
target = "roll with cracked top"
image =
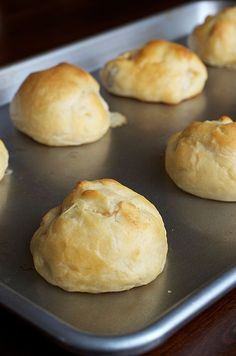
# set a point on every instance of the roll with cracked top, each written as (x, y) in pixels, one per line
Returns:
(160, 71)
(60, 106)
(201, 159)
(104, 237)
(215, 39)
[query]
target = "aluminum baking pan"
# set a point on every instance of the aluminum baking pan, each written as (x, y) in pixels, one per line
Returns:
(200, 266)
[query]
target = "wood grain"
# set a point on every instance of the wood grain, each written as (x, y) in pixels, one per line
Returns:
(212, 333)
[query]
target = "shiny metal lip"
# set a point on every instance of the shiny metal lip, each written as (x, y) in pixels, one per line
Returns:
(195, 242)
(133, 344)
(83, 52)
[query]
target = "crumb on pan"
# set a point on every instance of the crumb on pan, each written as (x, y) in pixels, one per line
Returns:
(117, 119)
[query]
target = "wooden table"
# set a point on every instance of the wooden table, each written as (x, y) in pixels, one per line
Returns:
(31, 27)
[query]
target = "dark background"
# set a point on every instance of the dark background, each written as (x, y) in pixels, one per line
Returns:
(28, 27)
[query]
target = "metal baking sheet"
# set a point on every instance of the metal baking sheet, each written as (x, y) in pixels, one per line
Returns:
(200, 266)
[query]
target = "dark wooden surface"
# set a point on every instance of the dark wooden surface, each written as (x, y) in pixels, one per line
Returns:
(31, 27)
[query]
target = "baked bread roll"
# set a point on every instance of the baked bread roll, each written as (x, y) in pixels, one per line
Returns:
(215, 40)
(104, 237)
(161, 71)
(60, 106)
(4, 156)
(202, 159)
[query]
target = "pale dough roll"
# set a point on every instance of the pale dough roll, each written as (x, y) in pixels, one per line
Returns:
(4, 156)
(60, 106)
(202, 159)
(215, 40)
(104, 237)
(161, 71)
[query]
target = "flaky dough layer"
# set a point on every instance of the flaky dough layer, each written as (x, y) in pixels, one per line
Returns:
(215, 40)
(202, 159)
(4, 156)
(104, 237)
(161, 71)
(60, 106)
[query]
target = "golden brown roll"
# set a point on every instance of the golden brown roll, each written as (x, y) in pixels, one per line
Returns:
(60, 106)
(202, 159)
(215, 40)
(104, 237)
(4, 156)
(161, 71)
